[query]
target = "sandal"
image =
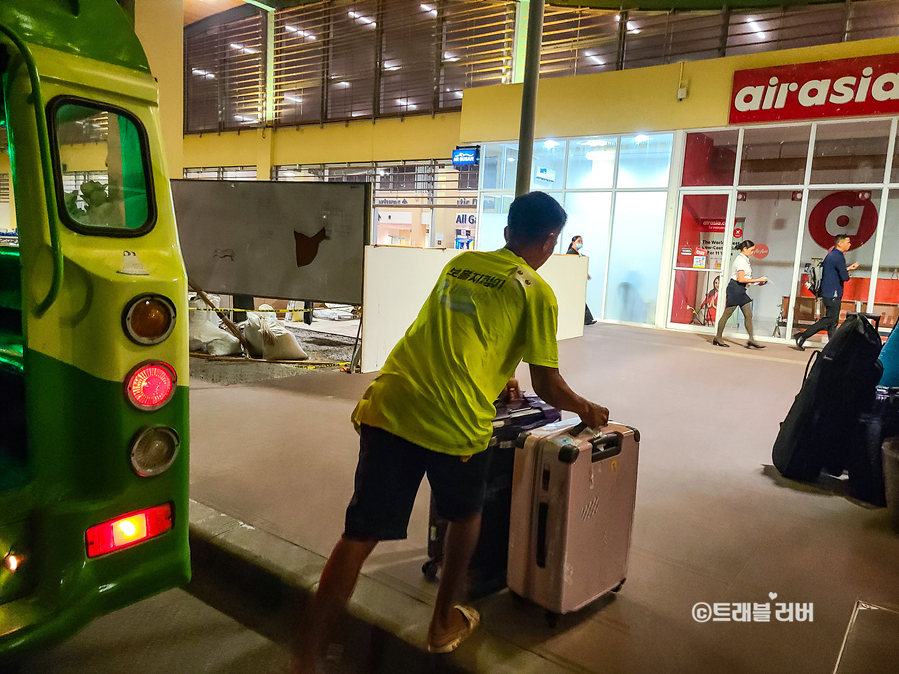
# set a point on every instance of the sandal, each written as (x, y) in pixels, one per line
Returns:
(472, 619)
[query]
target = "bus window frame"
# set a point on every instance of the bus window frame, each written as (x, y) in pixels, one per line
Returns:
(99, 230)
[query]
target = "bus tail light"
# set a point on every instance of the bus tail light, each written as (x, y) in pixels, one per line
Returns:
(154, 450)
(150, 385)
(128, 530)
(149, 319)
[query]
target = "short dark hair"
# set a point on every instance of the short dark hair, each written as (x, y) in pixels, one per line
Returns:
(838, 238)
(534, 216)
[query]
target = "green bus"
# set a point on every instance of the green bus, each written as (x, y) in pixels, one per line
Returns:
(93, 329)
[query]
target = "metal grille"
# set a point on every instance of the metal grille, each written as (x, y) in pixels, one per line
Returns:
(655, 38)
(435, 183)
(344, 60)
(872, 18)
(221, 173)
(578, 41)
(224, 75)
(4, 188)
(752, 32)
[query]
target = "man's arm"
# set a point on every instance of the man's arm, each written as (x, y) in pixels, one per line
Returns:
(549, 385)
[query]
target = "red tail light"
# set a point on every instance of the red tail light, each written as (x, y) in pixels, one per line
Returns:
(128, 530)
(150, 385)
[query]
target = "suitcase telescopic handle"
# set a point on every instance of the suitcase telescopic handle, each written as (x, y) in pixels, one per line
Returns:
(577, 430)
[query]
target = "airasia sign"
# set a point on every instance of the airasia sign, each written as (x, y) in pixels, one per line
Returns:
(848, 213)
(844, 88)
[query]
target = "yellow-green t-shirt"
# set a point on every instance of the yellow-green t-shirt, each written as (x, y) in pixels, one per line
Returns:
(487, 313)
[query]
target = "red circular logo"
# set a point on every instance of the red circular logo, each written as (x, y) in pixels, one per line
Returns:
(738, 233)
(761, 251)
(843, 213)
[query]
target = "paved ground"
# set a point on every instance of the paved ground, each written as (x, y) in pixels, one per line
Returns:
(172, 633)
(713, 523)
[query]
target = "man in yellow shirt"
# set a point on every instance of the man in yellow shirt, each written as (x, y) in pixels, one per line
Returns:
(430, 412)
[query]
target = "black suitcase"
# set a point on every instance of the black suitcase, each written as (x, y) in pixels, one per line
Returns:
(865, 460)
(487, 571)
(839, 384)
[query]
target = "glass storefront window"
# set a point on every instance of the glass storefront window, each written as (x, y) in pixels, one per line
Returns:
(886, 296)
(645, 160)
(492, 221)
(591, 163)
(832, 212)
(894, 172)
(635, 256)
(588, 217)
(774, 156)
(548, 165)
(698, 258)
(499, 166)
(710, 158)
(771, 220)
(850, 152)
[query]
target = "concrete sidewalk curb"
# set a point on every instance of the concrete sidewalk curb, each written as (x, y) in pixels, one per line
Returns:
(263, 581)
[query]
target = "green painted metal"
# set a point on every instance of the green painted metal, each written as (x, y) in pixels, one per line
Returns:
(66, 426)
(97, 29)
(79, 434)
(37, 100)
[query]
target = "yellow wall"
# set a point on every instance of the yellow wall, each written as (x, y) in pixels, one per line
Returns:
(420, 137)
(642, 99)
(160, 27)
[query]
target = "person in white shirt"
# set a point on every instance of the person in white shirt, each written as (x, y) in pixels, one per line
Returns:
(737, 297)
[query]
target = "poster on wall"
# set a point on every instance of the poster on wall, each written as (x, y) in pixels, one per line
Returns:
(711, 238)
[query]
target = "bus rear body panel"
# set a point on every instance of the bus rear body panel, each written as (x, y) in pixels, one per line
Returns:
(95, 442)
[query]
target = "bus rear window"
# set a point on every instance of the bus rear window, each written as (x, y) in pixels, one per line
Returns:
(102, 169)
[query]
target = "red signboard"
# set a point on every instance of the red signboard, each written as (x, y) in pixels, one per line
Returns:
(868, 85)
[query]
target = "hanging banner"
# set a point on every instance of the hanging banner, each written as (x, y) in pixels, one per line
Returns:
(867, 85)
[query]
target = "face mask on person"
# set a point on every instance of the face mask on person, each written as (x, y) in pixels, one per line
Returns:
(578, 245)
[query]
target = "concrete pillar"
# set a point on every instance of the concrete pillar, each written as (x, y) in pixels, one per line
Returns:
(159, 25)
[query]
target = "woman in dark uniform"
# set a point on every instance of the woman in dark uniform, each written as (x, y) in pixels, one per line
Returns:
(574, 248)
(736, 294)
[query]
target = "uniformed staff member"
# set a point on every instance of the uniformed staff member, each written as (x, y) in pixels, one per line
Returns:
(430, 412)
(736, 295)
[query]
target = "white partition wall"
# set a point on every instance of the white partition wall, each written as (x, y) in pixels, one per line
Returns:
(398, 279)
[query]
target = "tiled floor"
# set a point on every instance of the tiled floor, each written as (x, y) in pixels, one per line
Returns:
(714, 522)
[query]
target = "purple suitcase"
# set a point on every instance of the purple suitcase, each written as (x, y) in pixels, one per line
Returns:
(573, 497)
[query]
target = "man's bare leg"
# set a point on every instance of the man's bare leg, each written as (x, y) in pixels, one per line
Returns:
(334, 589)
(459, 545)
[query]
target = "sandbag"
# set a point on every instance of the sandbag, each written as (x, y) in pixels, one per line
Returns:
(279, 343)
(204, 333)
(252, 331)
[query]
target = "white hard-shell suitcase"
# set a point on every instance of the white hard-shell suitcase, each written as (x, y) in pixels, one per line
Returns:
(573, 497)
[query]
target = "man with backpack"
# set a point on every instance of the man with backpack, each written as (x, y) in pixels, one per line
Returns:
(834, 274)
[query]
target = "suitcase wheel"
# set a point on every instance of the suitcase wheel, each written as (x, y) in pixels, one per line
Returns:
(552, 619)
(619, 586)
(429, 569)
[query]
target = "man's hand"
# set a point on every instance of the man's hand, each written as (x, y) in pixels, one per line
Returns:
(595, 416)
(852, 266)
(512, 391)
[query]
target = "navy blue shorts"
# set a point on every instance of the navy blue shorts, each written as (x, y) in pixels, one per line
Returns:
(388, 477)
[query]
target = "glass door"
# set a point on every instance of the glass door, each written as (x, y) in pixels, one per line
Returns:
(770, 219)
(698, 259)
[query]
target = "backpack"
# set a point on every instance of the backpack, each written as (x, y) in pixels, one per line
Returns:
(815, 272)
